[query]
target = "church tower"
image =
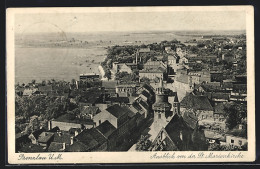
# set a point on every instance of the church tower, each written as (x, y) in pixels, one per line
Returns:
(161, 107)
(176, 106)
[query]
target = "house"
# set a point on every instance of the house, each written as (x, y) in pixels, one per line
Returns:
(237, 136)
(152, 74)
(200, 105)
(154, 65)
(139, 54)
(173, 62)
(124, 67)
(109, 86)
(57, 147)
(126, 89)
(109, 131)
(180, 134)
(183, 60)
(219, 112)
(183, 82)
(67, 121)
(88, 140)
(115, 114)
(45, 138)
(89, 77)
(219, 97)
(35, 135)
(213, 137)
(87, 112)
(29, 91)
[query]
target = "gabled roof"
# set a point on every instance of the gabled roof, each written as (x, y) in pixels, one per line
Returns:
(220, 95)
(90, 110)
(145, 93)
(36, 133)
(190, 119)
(174, 127)
(77, 147)
(116, 110)
(55, 147)
(183, 79)
(196, 102)
(109, 84)
(219, 109)
(44, 137)
(32, 148)
(62, 138)
(91, 138)
(106, 128)
(118, 99)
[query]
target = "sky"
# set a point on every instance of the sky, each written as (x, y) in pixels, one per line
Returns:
(130, 21)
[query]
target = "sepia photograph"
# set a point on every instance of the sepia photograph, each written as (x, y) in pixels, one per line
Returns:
(130, 84)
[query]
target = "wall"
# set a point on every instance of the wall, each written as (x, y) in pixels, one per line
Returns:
(103, 116)
(236, 140)
(65, 126)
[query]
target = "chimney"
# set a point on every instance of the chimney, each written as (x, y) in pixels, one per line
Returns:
(76, 133)
(63, 146)
(71, 141)
(49, 125)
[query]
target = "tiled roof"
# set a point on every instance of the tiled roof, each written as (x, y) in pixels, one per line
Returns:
(146, 94)
(38, 132)
(77, 147)
(174, 127)
(219, 109)
(183, 79)
(116, 110)
(190, 119)
(106, 128)
(91, 138)
(118, 99)
(109, 84)
(196, 102)
(55, 147)
(32, 148)
(90, 110)
(62, 138)
(44, 137)
(238, 132)
(220, 96)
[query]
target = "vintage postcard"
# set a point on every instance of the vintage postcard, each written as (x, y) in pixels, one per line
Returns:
(130, 85)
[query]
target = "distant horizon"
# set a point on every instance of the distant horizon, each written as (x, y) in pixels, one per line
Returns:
(142, 31)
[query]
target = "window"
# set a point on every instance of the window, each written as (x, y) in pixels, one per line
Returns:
(99, 122)
(240, 142)
(232, 141)
(159, 116)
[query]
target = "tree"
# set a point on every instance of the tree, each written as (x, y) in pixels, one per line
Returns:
(108, 74)
(43, 83)
(235, 114)
(143, 144)
(33, 81)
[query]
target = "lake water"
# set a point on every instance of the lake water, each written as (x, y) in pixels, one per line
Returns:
(67, 63)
